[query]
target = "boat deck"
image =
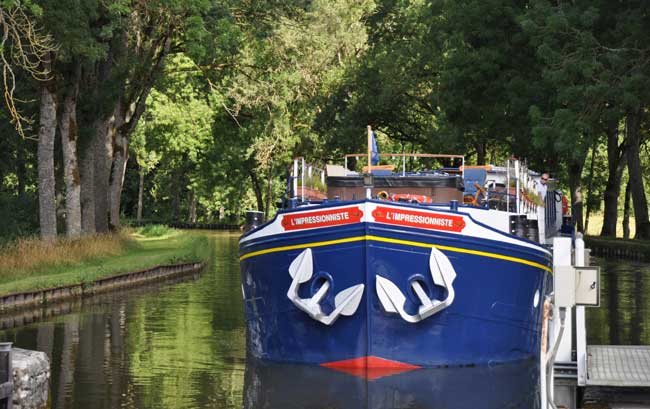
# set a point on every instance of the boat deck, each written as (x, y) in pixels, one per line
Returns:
(618, 365)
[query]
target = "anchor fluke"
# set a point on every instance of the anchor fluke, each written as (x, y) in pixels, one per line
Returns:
(389, 295)
(346, 302)
(302, 266)
(349, 299)
(443, 275)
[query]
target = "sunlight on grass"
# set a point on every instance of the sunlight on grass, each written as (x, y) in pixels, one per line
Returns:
(29, 254)
(596, 225)
(31, 264)
(155, 230)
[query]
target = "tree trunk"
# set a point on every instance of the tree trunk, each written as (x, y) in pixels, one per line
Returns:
(128, 114)
(46, 180)
(639, 202)
(140, 195)
(615, 164)
(103, 152)
(269, 193)
(120, 158)
(192, 207)
(87, 174)
(481, 153)
(575, 186)
(68, 128)
(590, 184)
(258, 190)
(176, 205)
(626, 211)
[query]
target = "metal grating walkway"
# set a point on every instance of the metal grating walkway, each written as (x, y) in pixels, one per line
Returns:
(618, 365)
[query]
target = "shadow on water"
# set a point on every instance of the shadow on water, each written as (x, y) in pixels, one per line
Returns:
(183, 346)
(624, 314)
(286, 386)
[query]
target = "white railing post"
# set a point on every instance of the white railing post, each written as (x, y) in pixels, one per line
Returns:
(518, 196)
(302, 175)
(295, 179)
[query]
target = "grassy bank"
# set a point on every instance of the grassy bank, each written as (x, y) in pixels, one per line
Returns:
(30, 264)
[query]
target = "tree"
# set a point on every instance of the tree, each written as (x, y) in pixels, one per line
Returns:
(46, 181)
(22, 46)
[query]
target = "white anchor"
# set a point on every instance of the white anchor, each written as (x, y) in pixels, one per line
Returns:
(443, 274)
(345, 303)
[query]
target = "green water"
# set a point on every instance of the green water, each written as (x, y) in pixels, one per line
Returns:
(178, 346)
(623, 317)
(182, 345)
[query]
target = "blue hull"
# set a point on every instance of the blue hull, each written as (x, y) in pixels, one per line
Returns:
(495, 316)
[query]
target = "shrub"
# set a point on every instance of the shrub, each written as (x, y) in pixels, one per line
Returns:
(155, 230)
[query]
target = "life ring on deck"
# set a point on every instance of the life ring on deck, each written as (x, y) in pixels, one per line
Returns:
(383, 195)
(565, 205)
(407, 197)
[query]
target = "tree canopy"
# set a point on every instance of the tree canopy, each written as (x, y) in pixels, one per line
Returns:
(193, 110)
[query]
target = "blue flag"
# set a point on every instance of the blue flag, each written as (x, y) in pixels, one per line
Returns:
(374, 153)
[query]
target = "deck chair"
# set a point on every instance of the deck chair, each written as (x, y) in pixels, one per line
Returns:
(474, 180)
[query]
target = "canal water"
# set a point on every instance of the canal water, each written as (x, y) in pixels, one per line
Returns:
(182, 345)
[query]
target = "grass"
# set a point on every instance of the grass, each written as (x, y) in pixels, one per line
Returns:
(31, 264)
(596, 225)
(155, 230)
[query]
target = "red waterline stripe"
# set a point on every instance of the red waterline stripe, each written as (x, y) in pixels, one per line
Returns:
(370, 367)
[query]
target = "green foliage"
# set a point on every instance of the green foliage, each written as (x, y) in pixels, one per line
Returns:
(18, 213)
(249, 85)
(155, 230)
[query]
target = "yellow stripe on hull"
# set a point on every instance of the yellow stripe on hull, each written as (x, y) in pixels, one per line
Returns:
(396, 241)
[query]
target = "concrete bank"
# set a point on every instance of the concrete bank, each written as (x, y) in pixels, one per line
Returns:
(26, 316)
(31, 379)
(30, 299)
(618, 248)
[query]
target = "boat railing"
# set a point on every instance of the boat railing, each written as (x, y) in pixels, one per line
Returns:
(306, 181)
(404, 156)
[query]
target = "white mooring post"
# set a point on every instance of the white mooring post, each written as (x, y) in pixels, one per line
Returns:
(564, 288)
(581, 328)
(564, 300)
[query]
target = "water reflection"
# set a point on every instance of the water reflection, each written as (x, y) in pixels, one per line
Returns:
(183, 346)
(285, 386)
(180, 346)
(624, 314)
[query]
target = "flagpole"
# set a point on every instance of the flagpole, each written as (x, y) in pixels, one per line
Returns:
(369, 148)
(368, 188)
